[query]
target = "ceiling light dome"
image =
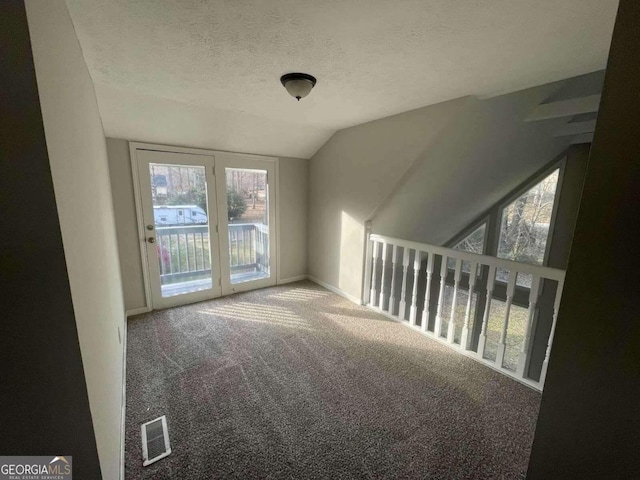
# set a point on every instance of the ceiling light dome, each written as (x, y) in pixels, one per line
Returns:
(298, 85)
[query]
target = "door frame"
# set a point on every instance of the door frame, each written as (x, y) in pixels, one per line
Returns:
(202, 161)
(224, 161)
(141, 232)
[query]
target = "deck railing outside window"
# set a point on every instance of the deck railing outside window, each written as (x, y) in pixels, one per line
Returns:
(183, 251)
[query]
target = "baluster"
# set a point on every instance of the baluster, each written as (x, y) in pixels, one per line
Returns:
(392, 298)
(260, 249)
(465, 340)
(201, 248)
(244, 246)
(201, 252)
(265, 250)
(502, 346)
(523, 359)
(241, 244)
(427, 293)
(256, 234)
(185, 265)
(207, 258)
(482, 341)
(186, 251)
(413, 311)
(556, 307)
(451, 331)
(195, 251)
(437, 330)
(179, 253)
(373, 296)
(403, 292)
(234, 247)
(254, 258)
(383, 292)
(170, 254)
(247, 246)
(194, 260)
(159, 250)
(265, 257)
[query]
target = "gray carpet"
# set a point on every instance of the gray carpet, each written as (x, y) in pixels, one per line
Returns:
(297, 382)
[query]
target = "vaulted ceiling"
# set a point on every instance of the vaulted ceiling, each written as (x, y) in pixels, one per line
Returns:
(206, 73)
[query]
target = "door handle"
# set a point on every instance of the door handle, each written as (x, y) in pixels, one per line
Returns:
(151, 240)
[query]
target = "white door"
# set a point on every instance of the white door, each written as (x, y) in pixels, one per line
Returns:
(246, 212)
(180, 217)
(208, 224)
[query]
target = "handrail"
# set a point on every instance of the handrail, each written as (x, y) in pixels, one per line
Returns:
(180, 252)
(173, 229)
(242, 226)
(545, 272)
(197, 228)
(404, 280)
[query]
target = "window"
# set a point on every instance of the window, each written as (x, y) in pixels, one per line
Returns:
(525, 225)
(474, 243)
(193, 213)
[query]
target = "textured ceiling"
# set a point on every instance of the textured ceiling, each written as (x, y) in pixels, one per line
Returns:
(372, 58)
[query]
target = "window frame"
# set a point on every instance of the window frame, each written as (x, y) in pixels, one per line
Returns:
(560, 165)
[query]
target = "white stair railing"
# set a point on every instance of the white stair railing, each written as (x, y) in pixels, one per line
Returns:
(473, 274)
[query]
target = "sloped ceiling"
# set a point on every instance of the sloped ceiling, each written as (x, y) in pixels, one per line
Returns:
(219, 62)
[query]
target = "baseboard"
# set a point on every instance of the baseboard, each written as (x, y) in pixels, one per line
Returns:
(333, 289)
(124, 401)
(297, 278)
(137, 311)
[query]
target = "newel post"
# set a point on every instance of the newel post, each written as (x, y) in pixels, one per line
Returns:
(366, 291)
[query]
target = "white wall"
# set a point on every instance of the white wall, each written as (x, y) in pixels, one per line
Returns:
(352, 174)
(425, 174)
(293, 190)
(483, 156)
(78, 158)
(126, 223)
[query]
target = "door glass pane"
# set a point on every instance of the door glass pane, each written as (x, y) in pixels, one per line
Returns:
(524, 230)
(248, 216)
(179, 195)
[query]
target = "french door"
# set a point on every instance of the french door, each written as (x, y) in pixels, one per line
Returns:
(246, 209)
(208, 224)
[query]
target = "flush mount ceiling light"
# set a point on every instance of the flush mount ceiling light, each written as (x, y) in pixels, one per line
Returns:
(298, 85)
